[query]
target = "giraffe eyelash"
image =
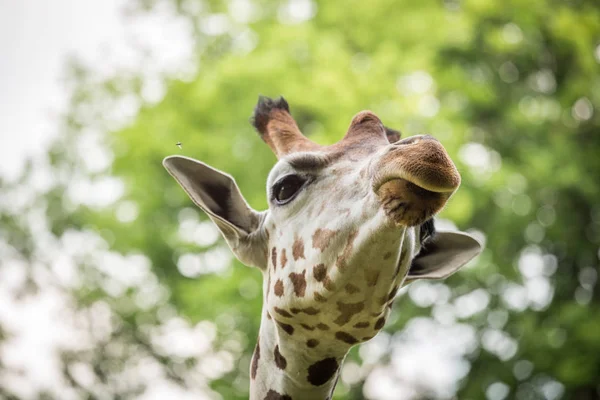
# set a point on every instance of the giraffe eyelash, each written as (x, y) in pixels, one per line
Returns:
(296, 181)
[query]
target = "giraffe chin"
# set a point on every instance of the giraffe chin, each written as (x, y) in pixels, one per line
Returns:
(407, 204)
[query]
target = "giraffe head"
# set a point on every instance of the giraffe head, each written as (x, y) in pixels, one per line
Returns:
(347, 224)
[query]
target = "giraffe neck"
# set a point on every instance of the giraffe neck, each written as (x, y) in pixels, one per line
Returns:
(284, 369)
(318, 303)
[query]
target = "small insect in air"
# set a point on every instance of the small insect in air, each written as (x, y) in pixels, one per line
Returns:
(178, 144)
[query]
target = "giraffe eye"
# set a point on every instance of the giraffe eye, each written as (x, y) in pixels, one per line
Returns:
(287, 188)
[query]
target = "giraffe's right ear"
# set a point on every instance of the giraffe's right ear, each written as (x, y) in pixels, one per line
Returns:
(444, 254)
(217, 194)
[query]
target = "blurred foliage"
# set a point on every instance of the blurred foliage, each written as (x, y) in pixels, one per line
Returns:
(512, 89)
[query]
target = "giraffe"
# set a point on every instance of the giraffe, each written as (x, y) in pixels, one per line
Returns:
(347, 225)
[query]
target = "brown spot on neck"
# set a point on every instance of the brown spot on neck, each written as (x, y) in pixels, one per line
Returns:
(307, 310)
(380, 323)
(320, 272)
(310, 311)
(322, 371)
(255, 358)
(299, 282)
(342, 259)
(346, 337)
(322, 238)
(322, 327)
(351, 289)
(273, 395)
(312, 343)
(283, 313)
(286, 328)
(328, 283)
(274, 258)
(280, 360)
(319, 297)
(283, 258)
(308, 327)
(298, 249)
(278, 288)
(372, 276)
(347, 310)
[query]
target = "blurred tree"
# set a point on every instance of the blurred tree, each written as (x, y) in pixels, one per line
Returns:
(511, 89)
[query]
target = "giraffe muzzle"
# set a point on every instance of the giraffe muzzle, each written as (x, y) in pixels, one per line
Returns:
(414, 178)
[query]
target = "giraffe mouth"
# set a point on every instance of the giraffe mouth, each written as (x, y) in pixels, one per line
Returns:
(408, 204)
(414, 178)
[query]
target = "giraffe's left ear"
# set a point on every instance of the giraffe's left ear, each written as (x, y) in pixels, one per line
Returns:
(442, 255)
(217, 194)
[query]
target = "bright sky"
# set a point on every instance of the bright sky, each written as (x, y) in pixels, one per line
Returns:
(36, 39)
(36, 36)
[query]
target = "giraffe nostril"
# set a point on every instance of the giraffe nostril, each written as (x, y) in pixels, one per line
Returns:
(409, 140)
(413, 140)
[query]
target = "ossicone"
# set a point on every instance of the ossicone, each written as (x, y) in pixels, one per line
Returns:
(278, 129)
